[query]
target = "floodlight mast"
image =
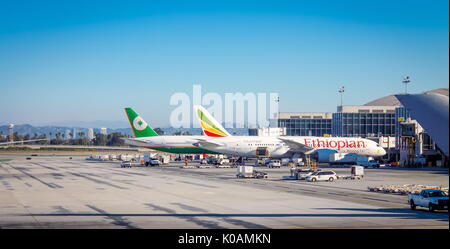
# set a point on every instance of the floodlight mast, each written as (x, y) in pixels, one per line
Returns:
(341, 91)
(406, 81)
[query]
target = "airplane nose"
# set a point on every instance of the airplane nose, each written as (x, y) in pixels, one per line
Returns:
(382, 152)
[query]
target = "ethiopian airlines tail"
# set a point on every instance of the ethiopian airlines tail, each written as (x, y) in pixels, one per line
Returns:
(138, 125)
(210, 126)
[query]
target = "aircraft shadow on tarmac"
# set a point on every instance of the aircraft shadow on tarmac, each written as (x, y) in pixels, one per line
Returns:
(382, 213)
(396, 213)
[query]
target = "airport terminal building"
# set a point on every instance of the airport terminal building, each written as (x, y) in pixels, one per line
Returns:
(364, 121)
(383, 120)
(306, 124)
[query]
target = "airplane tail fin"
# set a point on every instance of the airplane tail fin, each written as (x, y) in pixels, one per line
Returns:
(138, 125)
(209, 124)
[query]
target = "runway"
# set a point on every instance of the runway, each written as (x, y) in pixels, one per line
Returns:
(58, 192)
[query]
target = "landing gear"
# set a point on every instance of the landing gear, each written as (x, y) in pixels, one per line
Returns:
(413, 206)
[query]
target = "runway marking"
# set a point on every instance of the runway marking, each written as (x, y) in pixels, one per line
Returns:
(117, 220)
(47, 167)
(374, 199)
(50, 185)
(236, 222)
(198, 184)
(338, 194)
(189, 218)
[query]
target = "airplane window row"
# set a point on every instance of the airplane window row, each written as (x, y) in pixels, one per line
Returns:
(262, 144)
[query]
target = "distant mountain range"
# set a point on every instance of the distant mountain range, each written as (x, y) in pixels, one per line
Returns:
(31, 130)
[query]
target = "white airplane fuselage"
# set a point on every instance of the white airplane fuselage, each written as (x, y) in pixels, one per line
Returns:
(171, 144)
(246, 146)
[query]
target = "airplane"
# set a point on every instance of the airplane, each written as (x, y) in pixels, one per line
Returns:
(222, 142)
(145, 136)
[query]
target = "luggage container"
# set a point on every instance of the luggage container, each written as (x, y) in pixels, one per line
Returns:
(357, 171)
(165, 159)
(244, 171)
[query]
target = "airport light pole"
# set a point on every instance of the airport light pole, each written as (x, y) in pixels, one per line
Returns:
(276, 100)
(341, 91)
(406, 81)
(11, 132)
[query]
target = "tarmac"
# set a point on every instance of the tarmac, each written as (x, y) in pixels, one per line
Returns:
(60, 193)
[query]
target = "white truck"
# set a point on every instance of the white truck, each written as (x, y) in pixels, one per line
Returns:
(149, 160)
(433, 199)
(125, 164)
(274, 164)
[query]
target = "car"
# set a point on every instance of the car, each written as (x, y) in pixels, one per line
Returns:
(125, 164)
(274, 164)
(152, 162)
(304, 173)
(322, 176)
(433, 199)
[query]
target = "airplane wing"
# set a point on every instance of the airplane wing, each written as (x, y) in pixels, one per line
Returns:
(133, 141)
(296, 146)
(23, 141)
(206, 143)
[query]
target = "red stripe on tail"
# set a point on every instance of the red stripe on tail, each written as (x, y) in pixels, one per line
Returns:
(211, 134)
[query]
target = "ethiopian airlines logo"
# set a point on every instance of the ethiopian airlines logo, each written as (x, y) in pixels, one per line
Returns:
(139, 124)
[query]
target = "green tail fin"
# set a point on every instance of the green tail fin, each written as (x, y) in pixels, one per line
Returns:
(138, 125)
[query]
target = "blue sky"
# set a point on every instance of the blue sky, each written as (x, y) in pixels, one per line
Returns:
(86, 60)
